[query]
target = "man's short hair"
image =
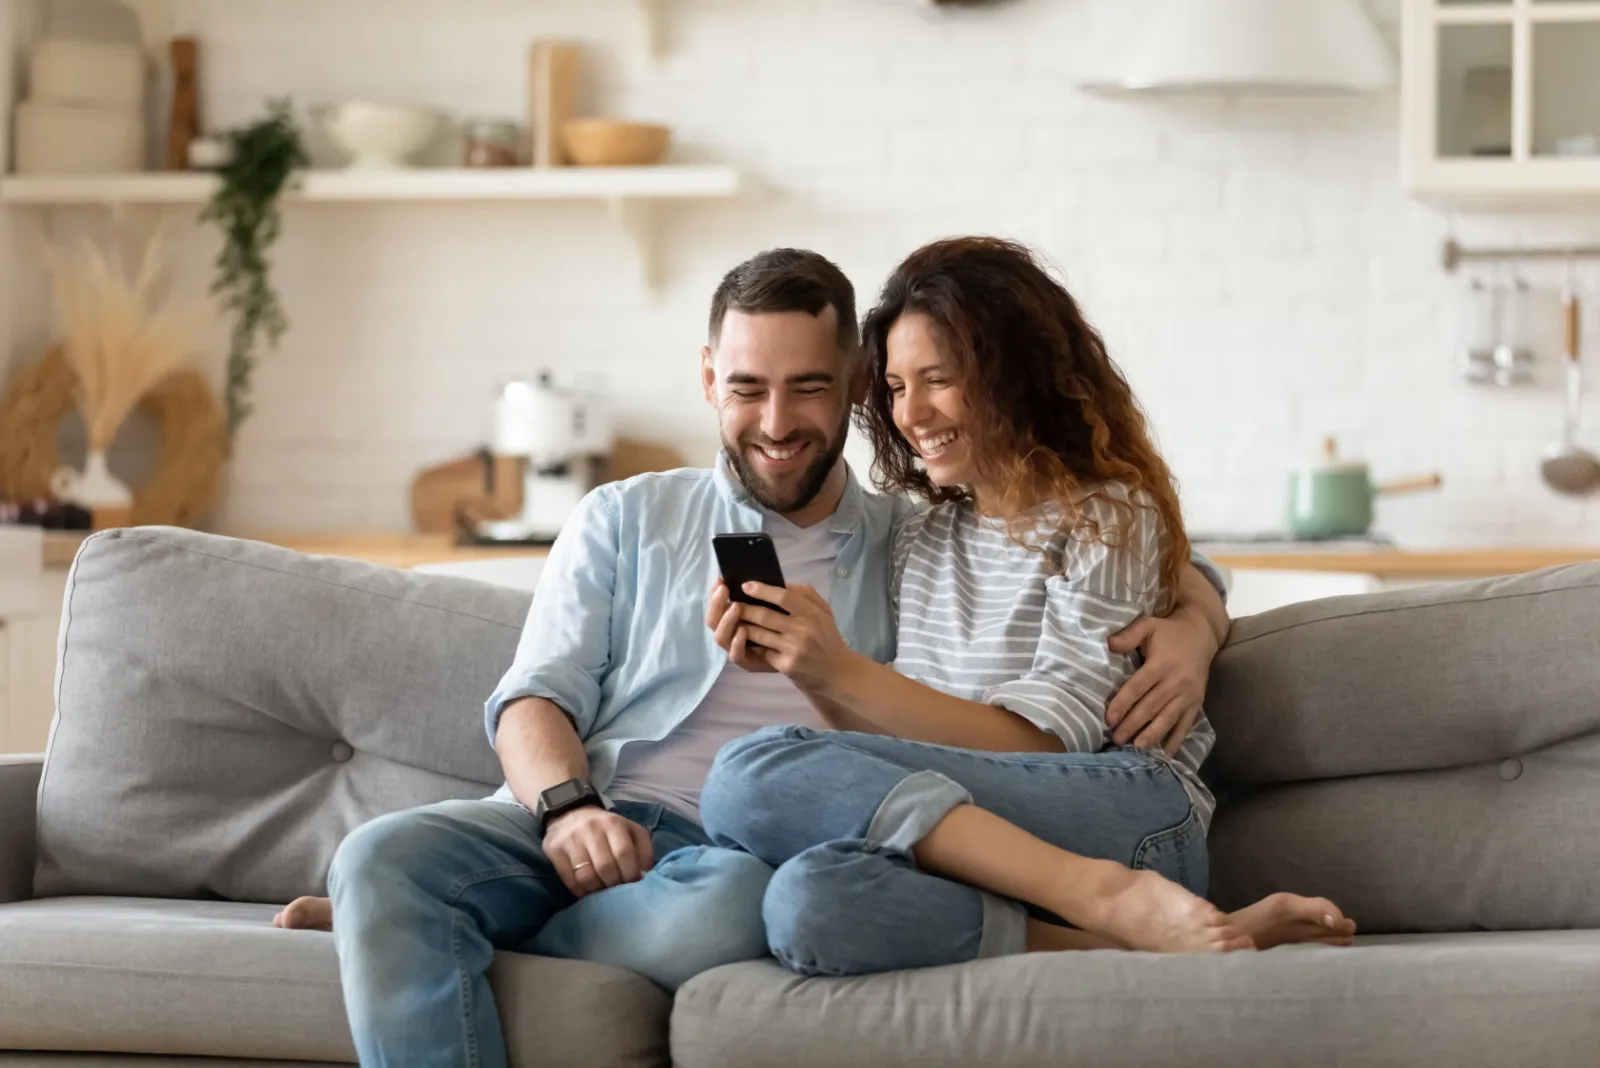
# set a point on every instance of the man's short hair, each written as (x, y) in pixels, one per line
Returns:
(790, 280)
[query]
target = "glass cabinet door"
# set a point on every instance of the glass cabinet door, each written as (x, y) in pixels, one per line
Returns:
(1475, 91)
(1566, 88)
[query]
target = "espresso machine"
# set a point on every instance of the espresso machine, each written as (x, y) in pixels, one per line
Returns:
(562, 435)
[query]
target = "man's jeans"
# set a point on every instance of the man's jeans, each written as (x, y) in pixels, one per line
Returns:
(422, 899)
(837, 813)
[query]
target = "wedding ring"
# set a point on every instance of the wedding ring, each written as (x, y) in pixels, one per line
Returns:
(581, 864)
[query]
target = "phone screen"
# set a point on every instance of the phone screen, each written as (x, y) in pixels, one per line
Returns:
(748, 558)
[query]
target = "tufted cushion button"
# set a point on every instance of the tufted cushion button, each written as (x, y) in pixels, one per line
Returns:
(1510, 768)
(342, 751)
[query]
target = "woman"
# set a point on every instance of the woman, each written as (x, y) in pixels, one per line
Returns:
(965, 803)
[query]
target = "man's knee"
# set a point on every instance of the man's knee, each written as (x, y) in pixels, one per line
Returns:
(713, 917)
(385, 851)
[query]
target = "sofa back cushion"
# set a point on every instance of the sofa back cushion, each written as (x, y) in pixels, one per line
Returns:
(228, 711)
(1427, 758)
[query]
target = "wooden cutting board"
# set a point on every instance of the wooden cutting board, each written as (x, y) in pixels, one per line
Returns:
(479, 486)
(475, 488)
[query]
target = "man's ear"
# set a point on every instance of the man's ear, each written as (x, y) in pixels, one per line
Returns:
(708, 375)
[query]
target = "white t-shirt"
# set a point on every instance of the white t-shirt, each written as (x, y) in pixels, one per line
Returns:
(673, 771)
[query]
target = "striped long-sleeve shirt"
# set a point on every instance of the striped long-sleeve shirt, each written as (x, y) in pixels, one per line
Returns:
(986, 619)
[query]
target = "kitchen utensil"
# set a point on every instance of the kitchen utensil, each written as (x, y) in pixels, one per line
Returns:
(91, 74)
(1333, 498)
(55, 139)
(1568, 467)
(614, 143)
(377, 136)
(1496, 350)
(553, 71)
(184, 125)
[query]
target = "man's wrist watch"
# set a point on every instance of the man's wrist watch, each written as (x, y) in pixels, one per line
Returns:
(564, 797)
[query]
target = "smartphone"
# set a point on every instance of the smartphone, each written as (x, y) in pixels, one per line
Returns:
(748, 558)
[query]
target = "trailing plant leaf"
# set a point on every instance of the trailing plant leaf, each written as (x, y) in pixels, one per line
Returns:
(245, 208)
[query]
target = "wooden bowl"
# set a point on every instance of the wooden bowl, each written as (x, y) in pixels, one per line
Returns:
(614, 143)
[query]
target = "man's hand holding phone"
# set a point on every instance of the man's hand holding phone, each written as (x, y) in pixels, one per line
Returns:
(725, 618)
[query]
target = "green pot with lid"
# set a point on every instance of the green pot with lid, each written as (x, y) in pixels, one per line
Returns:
(1334, 498)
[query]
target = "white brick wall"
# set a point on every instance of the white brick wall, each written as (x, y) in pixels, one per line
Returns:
(1254, 264)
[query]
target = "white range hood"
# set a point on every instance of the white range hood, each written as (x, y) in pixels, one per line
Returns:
(1250, 46)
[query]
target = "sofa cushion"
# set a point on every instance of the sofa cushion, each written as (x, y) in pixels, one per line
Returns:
(1486, 1000)
(217, 979)
(1409, 680)
(1505, 845)
(1429, 758)
(253, 705)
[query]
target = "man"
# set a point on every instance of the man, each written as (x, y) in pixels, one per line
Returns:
(618, 700)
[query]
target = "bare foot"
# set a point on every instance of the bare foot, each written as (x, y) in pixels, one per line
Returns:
(306, 914)
(1142, 910)
(1279, 919)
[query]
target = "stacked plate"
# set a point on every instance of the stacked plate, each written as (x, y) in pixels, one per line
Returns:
(85, 109)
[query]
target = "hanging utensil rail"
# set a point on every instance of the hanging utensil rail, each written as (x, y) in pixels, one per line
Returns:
(1453, 254)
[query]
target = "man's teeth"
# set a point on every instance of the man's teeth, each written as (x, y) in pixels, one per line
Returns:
(934, 444)
(780, 454)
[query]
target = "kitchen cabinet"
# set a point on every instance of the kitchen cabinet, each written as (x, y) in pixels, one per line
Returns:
(1500, 103)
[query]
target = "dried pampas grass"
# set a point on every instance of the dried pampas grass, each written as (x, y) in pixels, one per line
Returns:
(122, 332)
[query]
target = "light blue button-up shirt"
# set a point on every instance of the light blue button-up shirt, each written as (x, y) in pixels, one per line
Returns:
(617, 634)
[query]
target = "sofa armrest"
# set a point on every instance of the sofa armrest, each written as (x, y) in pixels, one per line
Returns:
(19, 790)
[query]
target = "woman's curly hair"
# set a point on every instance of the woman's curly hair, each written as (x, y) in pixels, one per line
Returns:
(1052, 417)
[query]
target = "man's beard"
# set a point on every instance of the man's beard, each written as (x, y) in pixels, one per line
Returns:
(807, 485)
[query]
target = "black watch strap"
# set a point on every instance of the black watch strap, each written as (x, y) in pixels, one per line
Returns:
(564, 797)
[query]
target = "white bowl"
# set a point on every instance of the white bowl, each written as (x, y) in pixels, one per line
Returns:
(378, 136)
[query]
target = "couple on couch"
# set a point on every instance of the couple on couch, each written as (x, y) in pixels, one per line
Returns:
(942, 747)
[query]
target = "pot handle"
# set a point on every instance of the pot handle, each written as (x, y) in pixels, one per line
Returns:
(1410, 485)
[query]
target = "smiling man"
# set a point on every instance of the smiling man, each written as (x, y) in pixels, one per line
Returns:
(619, 698)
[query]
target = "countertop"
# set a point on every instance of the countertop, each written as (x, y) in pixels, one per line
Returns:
(408, 550)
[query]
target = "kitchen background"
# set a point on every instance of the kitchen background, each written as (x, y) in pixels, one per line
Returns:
(1254, 263)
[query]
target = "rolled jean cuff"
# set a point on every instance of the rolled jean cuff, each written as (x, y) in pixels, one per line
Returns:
(1005, 927)
(914, 808)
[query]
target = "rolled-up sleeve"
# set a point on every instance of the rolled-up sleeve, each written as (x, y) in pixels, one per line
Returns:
(1074, 673)
(1213, 574)
(565, 646)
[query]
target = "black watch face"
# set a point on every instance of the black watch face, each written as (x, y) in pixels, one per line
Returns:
(563, 793)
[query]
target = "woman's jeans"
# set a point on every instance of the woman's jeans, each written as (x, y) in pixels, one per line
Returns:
(422, 899)
(837, 813)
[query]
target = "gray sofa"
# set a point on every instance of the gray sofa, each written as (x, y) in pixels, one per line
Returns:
(228, 711)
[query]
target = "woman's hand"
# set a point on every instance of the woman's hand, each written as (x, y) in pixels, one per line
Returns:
(724, 618)
(805, 644)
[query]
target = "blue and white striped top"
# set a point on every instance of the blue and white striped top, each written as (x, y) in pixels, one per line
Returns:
(986, 619)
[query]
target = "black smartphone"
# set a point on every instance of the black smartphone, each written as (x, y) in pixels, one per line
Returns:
(748, 558)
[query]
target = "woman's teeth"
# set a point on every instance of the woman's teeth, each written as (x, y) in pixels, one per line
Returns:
(934, 444)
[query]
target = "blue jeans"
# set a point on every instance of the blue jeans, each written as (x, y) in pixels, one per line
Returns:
(837, 813)
(422, 899)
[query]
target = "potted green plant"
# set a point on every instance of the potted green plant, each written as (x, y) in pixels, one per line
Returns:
(264, 156)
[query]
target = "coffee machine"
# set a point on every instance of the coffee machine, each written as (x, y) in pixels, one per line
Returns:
(563, 437)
